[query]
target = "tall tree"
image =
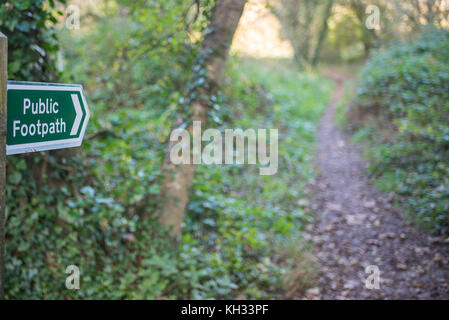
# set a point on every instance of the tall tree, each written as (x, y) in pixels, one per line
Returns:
(214, 51)
(323, 32)
(305, 24)
(418, 13)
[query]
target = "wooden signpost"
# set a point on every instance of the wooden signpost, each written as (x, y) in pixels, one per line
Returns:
(3, 95)
(35, 116)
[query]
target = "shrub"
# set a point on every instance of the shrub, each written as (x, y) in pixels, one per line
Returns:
(405, 89)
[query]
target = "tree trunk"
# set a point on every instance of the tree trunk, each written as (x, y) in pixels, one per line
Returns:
(370, 37)
(215, 48)
(323, 32)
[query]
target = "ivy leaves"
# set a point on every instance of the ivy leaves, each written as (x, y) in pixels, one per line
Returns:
(28, 26)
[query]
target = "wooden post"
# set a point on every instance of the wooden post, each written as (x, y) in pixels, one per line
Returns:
(3, 96)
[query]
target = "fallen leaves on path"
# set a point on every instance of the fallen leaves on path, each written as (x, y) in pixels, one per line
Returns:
(357, 227)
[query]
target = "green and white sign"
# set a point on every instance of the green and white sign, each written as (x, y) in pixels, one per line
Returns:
(45, 116)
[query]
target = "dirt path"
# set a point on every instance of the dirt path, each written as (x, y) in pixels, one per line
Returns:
(357, 227)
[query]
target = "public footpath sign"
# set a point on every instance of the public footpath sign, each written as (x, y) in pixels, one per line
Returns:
(45, 116)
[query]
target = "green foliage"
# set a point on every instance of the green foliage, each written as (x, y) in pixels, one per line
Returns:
(28, 24)
(406, 89)
(97, 209)
(344, 106)
(345, 42)
(245, 219)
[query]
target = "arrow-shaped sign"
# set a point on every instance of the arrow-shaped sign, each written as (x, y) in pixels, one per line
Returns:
(79, 114)
(43, 116)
